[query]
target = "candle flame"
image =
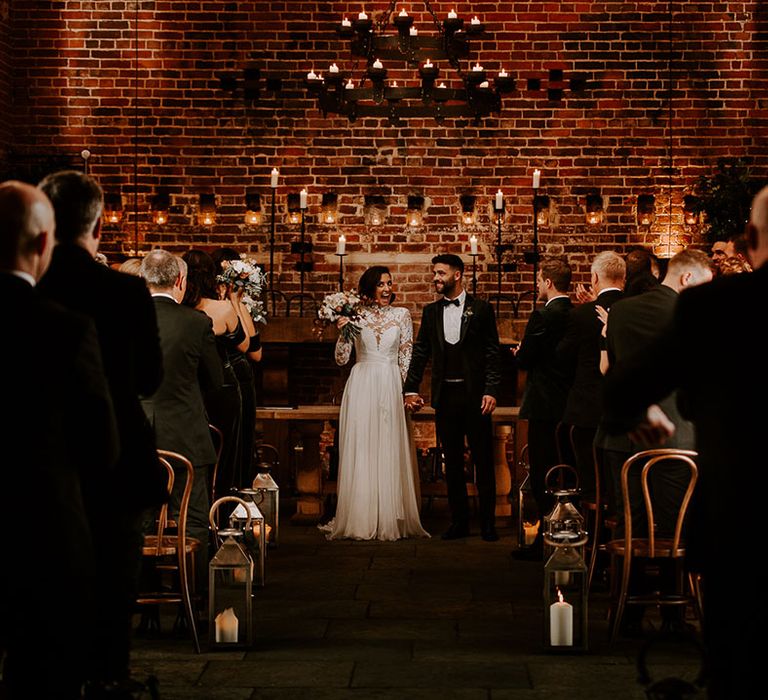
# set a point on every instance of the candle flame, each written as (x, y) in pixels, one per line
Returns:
(559, 596)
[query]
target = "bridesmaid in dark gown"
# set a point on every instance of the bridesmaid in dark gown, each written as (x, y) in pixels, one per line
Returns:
(224, 406)
(244, 371)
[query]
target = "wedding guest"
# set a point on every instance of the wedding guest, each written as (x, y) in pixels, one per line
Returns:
(458, 335)
(640, 272)
(719, 251)
(579, 351)
(243, 368)
(377, 474)
(224, 406)
(176, 410)
(132, 266)
(59, 438)
(730, 419)
(122, 310)
(547, 383)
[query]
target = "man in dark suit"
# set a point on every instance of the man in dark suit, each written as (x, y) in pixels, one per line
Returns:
(458, 334)
(633, 325)
(547, 384)
(579, 351)
(58, 435)
(124, 315)
(717, 325)
(192, 367)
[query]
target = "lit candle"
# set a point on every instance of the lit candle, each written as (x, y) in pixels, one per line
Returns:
(484, 84)
(473, 245)
(346, 23)
(394, 83)
(477, 67)
(441, 85)
(561, 623)
(275, 176)
(403, 13)
(378, 64)
(499, 200)
(428, 64)
(333, 68)
(413, 31)
(341, 246)
(531, 530)
(503, 73)
(475, 20)
(536, 179)
(303, 199)
(350, 85)
(320, 76)
(311, 75)
(226, 627)
(452, 15)
(362, 15)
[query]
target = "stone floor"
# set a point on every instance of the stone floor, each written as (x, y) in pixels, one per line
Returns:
(412, 619)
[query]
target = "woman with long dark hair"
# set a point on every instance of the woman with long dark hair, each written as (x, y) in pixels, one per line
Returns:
(377, 492)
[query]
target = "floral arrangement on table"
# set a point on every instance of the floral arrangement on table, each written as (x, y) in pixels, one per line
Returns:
(341, 305)
(247, 276)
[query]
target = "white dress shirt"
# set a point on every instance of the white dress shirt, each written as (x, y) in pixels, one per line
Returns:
(452, 319)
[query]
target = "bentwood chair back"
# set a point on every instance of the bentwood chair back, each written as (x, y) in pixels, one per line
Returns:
(218, 443)
(633, 547)
(169, 549)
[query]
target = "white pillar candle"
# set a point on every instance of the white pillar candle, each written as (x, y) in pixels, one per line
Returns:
(475, 20)
(473, 245)
(452, 15)
(428, 64)
(346, 23)
(442, 85)
(226, 627)
(403, 13)
(341, 246)
(477, 67)
(362, 15)
(561, 623)
(378, 64)
(484, 84)
(311, 75)
(274, 177)
(499, 200)
(333, 68)
(536, 179)
(350, 85)
(413, 31)
(503, 73)
(394, 83)
(303, 199)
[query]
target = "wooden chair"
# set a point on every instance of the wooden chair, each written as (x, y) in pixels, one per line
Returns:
(650, 547)
(218, 443)
(169, 548)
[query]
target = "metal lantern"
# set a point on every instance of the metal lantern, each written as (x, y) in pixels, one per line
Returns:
(565, 594)
(528, 509)
(248, 518)
(564, 519)
(230, 587)
(265, 493)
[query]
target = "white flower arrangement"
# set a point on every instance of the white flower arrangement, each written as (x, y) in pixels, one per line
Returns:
(341, 305)
(245, 274)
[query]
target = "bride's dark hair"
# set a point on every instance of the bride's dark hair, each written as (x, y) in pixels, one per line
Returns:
(201, 277)
(366, 287)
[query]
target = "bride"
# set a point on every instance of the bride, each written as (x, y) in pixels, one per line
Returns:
(377, 489)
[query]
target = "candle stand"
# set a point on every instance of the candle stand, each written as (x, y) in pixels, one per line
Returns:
(301, 247)
(474, 272)
(500, 250)
(341, 257)
(535, 246)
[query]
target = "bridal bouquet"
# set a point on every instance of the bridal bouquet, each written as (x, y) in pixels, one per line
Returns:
(341, 305)
(247, 276)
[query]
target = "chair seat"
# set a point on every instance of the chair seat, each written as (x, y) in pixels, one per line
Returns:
(641, 548)
(167, 546)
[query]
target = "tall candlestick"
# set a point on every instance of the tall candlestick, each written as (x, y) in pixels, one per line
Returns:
(303, 199)
(536, 179)
(274, 178)
(341, 246)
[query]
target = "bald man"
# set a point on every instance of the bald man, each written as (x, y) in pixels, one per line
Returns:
(57, 432)
(717, 324)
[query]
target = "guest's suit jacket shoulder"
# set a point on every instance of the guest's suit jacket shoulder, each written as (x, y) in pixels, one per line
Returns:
(545, 329)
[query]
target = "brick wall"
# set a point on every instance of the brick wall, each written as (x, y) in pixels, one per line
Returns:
(5, 83)
(77, 84)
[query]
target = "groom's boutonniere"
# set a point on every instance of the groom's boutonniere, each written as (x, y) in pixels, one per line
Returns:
(468, 313)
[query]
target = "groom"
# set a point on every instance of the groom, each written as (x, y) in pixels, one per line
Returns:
(458, 333)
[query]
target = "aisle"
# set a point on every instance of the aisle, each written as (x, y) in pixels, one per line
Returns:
(414, 619)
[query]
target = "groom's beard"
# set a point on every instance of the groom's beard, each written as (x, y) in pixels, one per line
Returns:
(446, 288)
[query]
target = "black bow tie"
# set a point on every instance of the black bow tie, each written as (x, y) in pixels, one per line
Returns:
(449, 302)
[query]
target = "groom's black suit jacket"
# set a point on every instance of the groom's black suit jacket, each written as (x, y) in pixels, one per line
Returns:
(122, 310)
(479, 347)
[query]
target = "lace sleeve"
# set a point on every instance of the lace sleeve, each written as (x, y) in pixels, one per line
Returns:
(405, 350)
(343, 351)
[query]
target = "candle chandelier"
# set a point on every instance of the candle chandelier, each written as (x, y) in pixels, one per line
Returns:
(366, 92)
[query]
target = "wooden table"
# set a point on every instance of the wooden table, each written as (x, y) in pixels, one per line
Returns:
(310, 421)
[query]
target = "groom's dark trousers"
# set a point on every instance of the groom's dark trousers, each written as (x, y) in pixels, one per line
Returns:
(461, 375)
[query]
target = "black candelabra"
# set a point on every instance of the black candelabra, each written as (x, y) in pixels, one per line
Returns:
(341, 257)
(272, 252)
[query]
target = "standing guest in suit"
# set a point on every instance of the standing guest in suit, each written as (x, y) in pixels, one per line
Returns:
(458, 334)
(547, 384)
(192, 366)
(59, 437)
(633, 326)
(716, 325)
(579, 351)
(122, 310)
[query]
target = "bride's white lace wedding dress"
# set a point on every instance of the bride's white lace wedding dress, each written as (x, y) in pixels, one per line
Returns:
(377, 493)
